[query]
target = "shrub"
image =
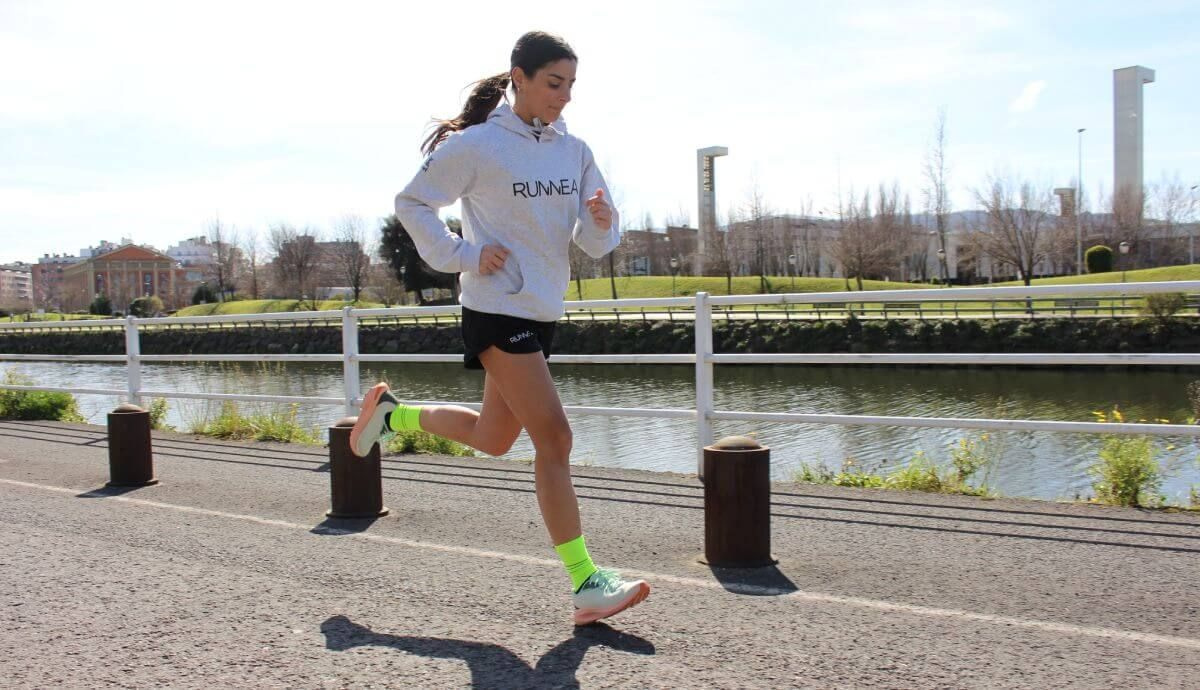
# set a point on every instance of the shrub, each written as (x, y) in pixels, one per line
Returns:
(921, 474)
(1098, 259)
(268, 426)
(204, 295)
(146, 306)
(158, 415)
(1164, 305)
(1126, 473)
(848, 476)
(101, 305)
(421, 442)
(29, 405)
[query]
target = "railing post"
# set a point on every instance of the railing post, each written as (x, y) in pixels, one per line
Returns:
(704, 378)
(133, 365)
(350, 372)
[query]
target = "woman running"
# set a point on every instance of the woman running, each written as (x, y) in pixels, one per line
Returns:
(528, 189)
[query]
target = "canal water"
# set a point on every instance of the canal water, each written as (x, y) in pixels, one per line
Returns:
(1030, 464)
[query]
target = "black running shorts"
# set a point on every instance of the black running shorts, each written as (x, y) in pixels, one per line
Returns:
(511, 334)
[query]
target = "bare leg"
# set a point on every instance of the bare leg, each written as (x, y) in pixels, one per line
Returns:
(525, 384)
(492, 431)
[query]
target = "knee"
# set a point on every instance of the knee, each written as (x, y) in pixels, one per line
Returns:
(498, 446)
(555, 443)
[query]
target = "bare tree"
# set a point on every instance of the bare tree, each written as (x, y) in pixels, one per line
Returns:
(865, 246)
(296, 259)
(914, 243)
(1018, 226)
(935, 192)
(226, 256)
(757, 215)
(680, 218)
(385, 285)
(1128, 220)
(1169, 203)
(349, 254)
(581, 263)
(252, 264)
(723, 252)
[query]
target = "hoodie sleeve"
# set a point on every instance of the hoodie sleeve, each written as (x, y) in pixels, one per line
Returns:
(444, 177)
(593, 240)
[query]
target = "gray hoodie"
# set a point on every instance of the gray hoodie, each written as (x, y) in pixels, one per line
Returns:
(522, 189)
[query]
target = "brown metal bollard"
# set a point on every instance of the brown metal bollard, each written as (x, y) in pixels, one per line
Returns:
(355, 484)
(130, 459)
(737, 504)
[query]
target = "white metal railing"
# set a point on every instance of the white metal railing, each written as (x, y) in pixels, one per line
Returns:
(704, 412)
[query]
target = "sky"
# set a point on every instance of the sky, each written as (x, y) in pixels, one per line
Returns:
(148, 120)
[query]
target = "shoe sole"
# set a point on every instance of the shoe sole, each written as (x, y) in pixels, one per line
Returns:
(585, 616)
(370, 402)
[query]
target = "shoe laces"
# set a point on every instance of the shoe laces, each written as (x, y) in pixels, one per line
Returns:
(604, 578)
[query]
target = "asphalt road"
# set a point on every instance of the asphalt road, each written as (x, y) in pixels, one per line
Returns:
(227, 574)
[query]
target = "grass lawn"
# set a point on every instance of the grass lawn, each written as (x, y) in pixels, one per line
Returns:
(269, 306)
(1144, 275)
(35, 318)
(629, 287)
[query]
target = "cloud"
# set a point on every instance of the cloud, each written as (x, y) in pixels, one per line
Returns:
(1027, 101)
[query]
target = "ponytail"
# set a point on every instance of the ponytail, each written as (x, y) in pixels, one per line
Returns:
(533, 51)
(483, 100)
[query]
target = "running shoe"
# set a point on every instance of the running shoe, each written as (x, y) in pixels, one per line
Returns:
(606, 593)
(372, 426)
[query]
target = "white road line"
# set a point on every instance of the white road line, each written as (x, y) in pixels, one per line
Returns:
(656, 578)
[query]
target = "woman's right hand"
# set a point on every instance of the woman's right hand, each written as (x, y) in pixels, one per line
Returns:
(492, 258)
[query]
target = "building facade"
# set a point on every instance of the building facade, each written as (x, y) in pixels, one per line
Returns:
(124, 274)
(47, 276)
(16, 287)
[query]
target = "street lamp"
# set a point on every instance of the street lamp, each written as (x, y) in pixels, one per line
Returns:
(1124, 247)
(1078, 206)
(674, 271)
(792, 264)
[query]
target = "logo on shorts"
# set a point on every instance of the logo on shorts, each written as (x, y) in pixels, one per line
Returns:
(520, 336)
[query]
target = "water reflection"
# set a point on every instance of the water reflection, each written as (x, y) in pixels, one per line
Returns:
(1031, 464)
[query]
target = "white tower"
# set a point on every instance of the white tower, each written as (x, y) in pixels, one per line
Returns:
(706, 190)
(1127, 135)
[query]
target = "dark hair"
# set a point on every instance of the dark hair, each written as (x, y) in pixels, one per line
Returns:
(532, 52)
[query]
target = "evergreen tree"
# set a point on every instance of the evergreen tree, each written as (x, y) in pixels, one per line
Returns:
(398, 250)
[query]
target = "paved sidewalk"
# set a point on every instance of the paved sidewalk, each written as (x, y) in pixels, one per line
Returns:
(227, 574)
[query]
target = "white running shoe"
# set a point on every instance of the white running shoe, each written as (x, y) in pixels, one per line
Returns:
(606, 593)
(371, 426)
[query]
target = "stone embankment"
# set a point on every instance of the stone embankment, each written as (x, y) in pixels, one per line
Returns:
(662, 337)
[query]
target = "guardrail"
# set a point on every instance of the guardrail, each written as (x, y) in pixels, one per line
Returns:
(702, 308)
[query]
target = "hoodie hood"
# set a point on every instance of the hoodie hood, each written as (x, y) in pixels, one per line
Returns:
(504, 116)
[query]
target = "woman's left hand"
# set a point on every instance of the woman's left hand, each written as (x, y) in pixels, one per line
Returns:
(600, 210)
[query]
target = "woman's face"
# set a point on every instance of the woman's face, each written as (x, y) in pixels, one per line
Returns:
(547, 92)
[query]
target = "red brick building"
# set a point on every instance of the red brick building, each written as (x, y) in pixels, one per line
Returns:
(124, 274)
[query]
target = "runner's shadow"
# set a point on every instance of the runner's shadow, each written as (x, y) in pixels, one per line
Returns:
(491, 665)
(768, 581)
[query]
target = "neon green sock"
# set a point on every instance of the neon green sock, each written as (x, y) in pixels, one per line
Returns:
(405, 418)
(575, 558)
